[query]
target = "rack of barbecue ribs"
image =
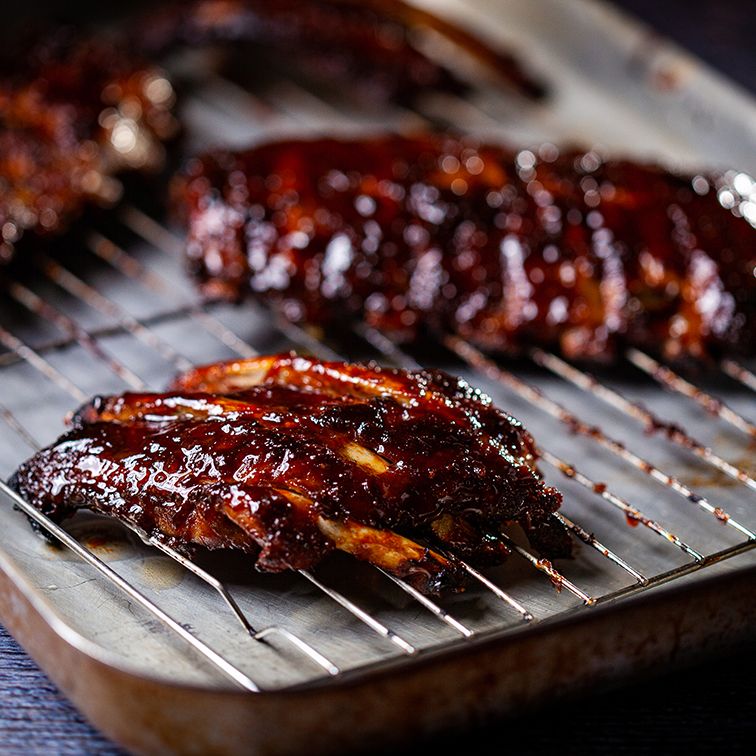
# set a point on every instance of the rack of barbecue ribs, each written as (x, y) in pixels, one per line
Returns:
(75, 110)
(287, 459)
(436, 234)
(374, 46)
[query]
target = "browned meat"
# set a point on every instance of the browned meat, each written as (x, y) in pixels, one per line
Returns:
(373, 46)
(287, 459)
(77, 109)
(505, 248)
(74, 112)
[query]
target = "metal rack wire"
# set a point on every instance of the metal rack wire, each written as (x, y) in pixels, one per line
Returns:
(29, 295)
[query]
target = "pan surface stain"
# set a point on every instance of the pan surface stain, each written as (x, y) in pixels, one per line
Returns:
(161, 573)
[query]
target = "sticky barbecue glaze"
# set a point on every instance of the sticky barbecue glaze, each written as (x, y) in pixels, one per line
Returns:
(75, 110)
(373, 47)
(504, 248)
(288, 458)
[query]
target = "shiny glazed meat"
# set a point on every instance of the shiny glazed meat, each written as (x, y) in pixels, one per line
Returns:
(74, 112)
(373, 46)
(504, 248)
(77, 109)
(287, 459)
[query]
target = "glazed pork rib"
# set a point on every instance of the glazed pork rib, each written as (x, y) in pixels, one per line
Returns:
(75, 111)
(287, 458)
(374, 47)
(505, 248)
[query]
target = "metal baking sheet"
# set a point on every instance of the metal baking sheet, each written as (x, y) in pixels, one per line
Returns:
(615, 86)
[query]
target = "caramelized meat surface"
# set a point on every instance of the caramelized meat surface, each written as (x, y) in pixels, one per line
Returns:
(505, 248)
(373, 46)
(74, 112)
(77, 109)
(287, 459)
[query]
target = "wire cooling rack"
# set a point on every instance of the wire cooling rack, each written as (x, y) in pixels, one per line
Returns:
(655, 466)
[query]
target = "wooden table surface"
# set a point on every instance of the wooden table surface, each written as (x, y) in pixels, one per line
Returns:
(706, 708)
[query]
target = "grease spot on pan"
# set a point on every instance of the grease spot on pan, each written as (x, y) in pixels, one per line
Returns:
(107, 540)
(161, 573)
